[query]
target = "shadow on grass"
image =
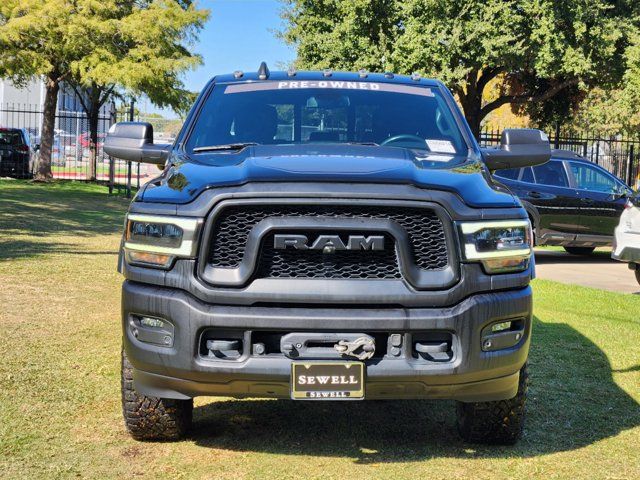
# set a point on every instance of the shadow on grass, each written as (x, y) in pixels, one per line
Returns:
(61, 210)
(553, 257)
(573, 402)
(13, 249)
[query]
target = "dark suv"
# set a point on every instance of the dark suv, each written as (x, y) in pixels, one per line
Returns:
(326, 236)
(15, 153)
(571, 202)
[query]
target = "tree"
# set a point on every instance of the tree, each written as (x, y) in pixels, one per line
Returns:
(536, 49)
(34, 41)
(140, 48)
(133, 45)
(616, 111)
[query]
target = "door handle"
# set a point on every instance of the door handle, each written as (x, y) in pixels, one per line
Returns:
(535, 194)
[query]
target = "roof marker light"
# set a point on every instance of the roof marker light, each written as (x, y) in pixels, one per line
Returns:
(263, 71)
(362, 73)
(291, 72)
(238, 74)
(327, 73)
(415, 76)
(388, 75)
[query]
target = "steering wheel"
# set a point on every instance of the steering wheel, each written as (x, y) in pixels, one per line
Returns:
(404, 137)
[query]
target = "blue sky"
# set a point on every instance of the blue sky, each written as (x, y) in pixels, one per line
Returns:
(238, 36)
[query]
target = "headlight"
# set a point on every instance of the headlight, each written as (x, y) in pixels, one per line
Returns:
(155, 241)
(501, 246)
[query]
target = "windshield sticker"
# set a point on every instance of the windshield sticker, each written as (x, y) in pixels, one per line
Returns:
(443, 146)
(327, 85)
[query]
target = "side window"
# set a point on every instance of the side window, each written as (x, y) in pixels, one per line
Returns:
(551, 173)
(527, 175)
(592, 178)
(509, 173)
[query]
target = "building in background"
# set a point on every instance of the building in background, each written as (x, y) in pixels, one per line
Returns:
(21, 107)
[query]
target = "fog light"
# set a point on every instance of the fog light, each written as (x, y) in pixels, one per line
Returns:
(154, 330)
(151, 322)
(502, 335)
(501, 327)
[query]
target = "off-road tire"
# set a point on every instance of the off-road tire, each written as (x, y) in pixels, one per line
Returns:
(152, 418)
(580, 250)
(500, 422)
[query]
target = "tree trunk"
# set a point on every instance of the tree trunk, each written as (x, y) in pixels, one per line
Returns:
(471, 101)
(471, 105)
(473, 119)
(52, 87)
(93, 139)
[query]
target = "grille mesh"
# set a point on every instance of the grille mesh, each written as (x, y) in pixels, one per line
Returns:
(424, 228)
(291, 263)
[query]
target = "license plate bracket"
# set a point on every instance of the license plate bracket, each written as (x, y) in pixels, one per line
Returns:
(328, 380)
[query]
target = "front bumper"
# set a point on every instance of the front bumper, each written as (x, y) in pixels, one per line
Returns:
(181, 371)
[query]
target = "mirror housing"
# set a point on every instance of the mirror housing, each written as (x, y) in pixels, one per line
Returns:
(622, 191)
(519, 147)
(133, 141)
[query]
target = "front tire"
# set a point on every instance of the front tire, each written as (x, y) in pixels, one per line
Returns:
(500, 422)
(152, 418)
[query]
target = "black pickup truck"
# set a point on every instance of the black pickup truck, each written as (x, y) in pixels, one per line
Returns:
(326, 236)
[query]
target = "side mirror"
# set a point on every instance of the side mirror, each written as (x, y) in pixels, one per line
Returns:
(519, 147)
(133, 141)
(622, 191)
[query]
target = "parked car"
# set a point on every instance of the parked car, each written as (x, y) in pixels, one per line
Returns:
(373, 258)
(626, 245)
(84, 140)
(16, 159)
(571, 202)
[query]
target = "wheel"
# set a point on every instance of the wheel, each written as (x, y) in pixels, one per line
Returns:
(151, 418)
(638, 272)
(500, 422)
(580, 250)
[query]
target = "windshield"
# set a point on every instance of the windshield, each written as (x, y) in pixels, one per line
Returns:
(11, 137)
(312, 112)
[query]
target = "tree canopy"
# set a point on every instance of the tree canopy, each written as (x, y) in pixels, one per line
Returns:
(536, 49)
(134, 46)
(615, 111)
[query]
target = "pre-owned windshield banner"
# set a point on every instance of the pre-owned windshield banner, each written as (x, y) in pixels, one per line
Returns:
(327, 85)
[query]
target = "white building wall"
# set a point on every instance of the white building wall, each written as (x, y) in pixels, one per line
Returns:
(21, 107)
(32, 94)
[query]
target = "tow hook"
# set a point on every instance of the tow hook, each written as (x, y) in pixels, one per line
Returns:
(362, 348)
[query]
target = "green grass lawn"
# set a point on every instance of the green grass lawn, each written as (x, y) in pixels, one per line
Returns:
(60, 395)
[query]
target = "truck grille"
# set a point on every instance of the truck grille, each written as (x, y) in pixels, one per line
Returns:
(423, 226)
(315, 264)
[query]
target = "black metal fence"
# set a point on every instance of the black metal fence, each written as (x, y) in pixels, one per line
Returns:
(618, 154)
(71, 157)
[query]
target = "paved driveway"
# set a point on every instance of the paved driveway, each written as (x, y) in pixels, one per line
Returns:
(597, 270)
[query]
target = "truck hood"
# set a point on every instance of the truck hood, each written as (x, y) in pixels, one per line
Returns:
(190, 176)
